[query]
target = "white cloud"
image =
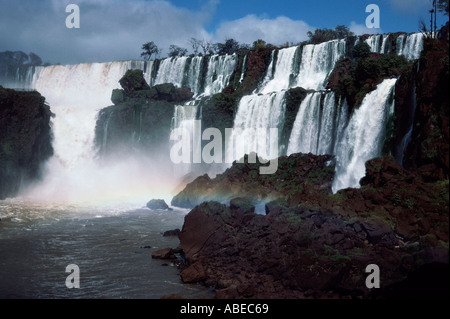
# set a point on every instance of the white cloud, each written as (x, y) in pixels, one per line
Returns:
(110, 30)
(360, 29)
(276, 31)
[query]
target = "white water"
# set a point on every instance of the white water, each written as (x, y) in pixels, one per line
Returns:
(374, 42)
(280, 79)
(317, 62)
(256, 114)
(171, 70)
(410, 46)
(220, 69)
(187, 72)
(305, 131)
(76, 93)
(363, 137)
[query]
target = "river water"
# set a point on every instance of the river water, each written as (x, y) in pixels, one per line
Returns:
(110, 245)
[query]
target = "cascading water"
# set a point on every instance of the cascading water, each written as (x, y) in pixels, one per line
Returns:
(374, 42)
(317, 62)
(76, 93)
(316, 130)
(305, 131)
(171, 70)
(256, 114)
(280, 79)
(188, 72)
(220, 69)
(410, 45)
(363, 137)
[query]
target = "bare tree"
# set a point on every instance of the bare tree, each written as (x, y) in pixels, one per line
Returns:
(207, 47)
(195, 44)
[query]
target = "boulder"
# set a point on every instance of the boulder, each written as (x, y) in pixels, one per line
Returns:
(155, 204)
(166, 253)
(173, 232)
(193, 273)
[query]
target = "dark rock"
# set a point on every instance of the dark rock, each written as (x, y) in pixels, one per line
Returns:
(244, 205)
(193, 273)
(174, 232)
(172, 296)
(155, 204)
(166, 253)
(132, 81)
(25, 139)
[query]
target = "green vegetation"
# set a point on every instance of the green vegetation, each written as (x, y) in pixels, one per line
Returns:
(353, 78)
(323, 35)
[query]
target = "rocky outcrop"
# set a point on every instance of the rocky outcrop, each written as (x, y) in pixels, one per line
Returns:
(155, 204)
(140, 119)
(25, 139)
(317, 245)
(297, 176)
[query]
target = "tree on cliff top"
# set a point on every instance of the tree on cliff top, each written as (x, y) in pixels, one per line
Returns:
(149, 48)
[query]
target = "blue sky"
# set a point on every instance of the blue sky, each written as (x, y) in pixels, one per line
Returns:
(116, 29)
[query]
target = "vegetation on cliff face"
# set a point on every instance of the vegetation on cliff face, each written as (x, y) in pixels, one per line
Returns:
(25, 139)
(352, 78)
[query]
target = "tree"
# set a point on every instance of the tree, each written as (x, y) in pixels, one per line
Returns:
(442, 6)
(361, 50)
(176, 51)
(207, 47)
(35, 59)
(229, 47)
(195, 44)
(259, 44)
(343, 32)
(149, 48)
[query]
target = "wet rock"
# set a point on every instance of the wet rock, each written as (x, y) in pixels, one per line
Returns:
(193, 273)
(166, 253)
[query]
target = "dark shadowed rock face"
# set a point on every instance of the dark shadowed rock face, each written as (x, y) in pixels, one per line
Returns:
(25, 139)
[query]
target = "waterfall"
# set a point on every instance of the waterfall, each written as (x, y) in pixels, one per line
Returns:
(256, 114)
(329, 121)
(171, 70)
(410, 45)
(413, 46)
(305, 131)
(220, 69)
(364, 135)
(400, 150)
(318, 124)
(374, 42)
(188, 72)
(317, 62)
(244, 64)
(280, 78)
(378, 43)
(75, 94)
